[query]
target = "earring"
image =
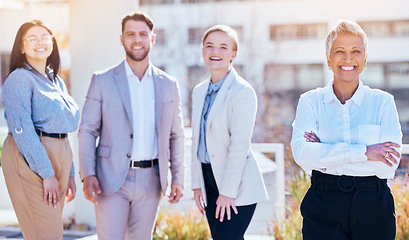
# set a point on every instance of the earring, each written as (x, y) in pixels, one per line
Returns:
(329, 68)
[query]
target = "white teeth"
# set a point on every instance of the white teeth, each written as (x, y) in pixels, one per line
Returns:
(137, 48)
(215, 58)
(347, 68)
(40, 50)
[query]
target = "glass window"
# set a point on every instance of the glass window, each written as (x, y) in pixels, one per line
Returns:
(151, 2)
(401, 28)
(374, 75)
(279, 77)
(196, 34)
(310, 76)
(376, 29)
(196, 74)
(386, 28)
(398, 75)
(298, 31)
(160, 39)
(297, 76)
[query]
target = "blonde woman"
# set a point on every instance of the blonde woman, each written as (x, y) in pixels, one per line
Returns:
(226, 179)
(348, 137)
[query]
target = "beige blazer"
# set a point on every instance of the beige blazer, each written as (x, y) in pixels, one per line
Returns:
(107, 115)
(229, 128)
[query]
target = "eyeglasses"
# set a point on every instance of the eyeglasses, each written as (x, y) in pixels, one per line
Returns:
(33, 40)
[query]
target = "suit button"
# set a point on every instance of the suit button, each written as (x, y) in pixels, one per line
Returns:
(212, 156)
(131, 135)
(128, 155)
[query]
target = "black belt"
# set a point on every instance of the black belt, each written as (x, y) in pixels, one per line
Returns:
(144, 163)
(52, 135)
(328, 182)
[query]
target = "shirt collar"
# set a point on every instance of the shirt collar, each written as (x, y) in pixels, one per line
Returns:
(215, 87)
(129, 72)
(329, 94)
(48, 71)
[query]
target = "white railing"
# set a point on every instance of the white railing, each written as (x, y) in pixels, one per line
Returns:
(278, 150)
(405, 148)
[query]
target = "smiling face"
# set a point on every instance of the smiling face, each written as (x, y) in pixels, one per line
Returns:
(218, 51)
(347, 58)
(37, 45)
(137, 40)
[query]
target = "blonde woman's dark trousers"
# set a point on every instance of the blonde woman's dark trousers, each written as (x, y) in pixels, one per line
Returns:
(232, 229)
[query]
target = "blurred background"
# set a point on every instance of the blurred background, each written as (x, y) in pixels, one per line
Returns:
(281, 52)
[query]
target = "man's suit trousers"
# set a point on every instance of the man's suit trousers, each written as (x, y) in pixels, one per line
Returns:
(130, 213)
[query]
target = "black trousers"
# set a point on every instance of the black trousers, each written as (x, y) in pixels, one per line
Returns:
(348, 208)
(232, 229)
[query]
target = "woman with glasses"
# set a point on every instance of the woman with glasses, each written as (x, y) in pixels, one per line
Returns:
(226, 179)
(36, 157)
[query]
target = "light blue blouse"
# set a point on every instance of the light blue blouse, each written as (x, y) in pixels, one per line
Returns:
(209, 99)
(34, 101)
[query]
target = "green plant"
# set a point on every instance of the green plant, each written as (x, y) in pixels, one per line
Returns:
(400, 191)
(290, 227)
(172, 224)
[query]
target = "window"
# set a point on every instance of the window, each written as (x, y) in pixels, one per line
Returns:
(152, 2)
(387, 75)
(298, 76)
(196, 34)
(298, 31)
(160, 39)
(386, 28)
(197, 1)
(398, 75)
(374, 75)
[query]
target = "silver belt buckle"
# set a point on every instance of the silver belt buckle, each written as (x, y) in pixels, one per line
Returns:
(132, 165)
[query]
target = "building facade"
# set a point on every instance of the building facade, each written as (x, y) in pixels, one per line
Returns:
(282, 49)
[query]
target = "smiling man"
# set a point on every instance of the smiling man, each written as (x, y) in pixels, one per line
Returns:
(135, 111)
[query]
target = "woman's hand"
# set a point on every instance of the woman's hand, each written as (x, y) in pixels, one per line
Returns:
(198, 196)
(71, 189)
(51, 191)
(383, 152)
(311, 137)
(223, 207)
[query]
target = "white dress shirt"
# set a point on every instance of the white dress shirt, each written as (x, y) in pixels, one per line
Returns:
(369, 117)
(142, 93)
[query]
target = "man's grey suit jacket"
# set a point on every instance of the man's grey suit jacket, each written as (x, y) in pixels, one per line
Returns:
(107, 114)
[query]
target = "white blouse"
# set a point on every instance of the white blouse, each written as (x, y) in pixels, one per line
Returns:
(369, 117)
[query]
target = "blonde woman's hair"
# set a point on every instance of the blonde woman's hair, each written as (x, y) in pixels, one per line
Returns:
(345, 27)
(226, 29)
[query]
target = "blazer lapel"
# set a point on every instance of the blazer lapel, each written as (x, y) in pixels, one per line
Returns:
(221, 95)
(198, 101)
(122, 83)
(159, 91)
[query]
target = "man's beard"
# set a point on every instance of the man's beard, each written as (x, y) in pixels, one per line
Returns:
(135, 58)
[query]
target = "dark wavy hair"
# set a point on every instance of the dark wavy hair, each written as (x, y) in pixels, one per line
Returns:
(18, 59)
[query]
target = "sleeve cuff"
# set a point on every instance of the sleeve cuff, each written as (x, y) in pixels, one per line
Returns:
(46, 174)
(357, 153)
